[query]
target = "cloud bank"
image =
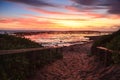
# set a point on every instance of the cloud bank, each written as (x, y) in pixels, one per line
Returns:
(112, 5)
(34, 2)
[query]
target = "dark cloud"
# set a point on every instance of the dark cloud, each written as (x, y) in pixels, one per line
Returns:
(33, 2)
(113, 6)
(85, 2)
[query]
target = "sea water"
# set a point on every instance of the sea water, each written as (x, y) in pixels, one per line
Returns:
(60, 39)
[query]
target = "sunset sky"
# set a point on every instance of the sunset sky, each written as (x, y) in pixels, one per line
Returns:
(60, 15)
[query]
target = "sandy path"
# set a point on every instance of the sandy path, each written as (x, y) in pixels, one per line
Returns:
(76, 65)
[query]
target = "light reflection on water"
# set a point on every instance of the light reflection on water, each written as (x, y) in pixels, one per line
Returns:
(60, 39)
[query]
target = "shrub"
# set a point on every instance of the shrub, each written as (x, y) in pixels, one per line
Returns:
(13, 42)
(112, 42)
(24, 65)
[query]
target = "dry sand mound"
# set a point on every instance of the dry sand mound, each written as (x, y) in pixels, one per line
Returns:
(78, 65)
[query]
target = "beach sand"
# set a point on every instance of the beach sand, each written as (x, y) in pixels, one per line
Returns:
(75, 65)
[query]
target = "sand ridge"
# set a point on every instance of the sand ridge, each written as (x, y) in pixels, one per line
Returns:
(75, 65)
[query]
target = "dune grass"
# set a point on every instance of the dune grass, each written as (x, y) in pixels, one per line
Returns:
(22, 66)
(8, 42)
(111, 42)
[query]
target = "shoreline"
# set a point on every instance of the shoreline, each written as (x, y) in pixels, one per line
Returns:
(90, 39)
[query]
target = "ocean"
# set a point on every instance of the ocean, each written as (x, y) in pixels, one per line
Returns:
(62, 39)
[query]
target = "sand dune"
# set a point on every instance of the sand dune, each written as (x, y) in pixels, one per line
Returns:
(78, 65)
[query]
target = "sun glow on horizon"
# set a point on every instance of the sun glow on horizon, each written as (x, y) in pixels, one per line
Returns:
(56, 17)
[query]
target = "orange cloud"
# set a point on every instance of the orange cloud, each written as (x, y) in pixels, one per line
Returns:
(79, 15)
(46, 12)
(114, 16)
(58, 18)
(71, 8)
(24, 21)
(95, 15)
(61, 15)
(43, 11)
(7, 20)
(97, 21)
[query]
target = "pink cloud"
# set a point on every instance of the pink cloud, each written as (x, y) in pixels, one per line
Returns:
(80, 13)
(95, 15)
(43, 11)
(7, 20)
(71, 8)
(24, 21)
(49, 18)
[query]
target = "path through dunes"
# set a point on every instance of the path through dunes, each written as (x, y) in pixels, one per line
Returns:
(76, 65)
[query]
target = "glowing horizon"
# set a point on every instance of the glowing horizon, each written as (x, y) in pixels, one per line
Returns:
(59, 15)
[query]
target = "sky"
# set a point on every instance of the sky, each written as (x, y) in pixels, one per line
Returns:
(63, 15)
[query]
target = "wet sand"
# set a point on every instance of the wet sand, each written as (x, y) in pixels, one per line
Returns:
(76, 65)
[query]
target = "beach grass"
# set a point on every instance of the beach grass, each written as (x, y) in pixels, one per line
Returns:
(111, 42)
(24, 65)
(8, 42)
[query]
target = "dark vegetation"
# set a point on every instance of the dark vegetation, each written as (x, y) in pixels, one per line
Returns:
(8, 42)
(22, 66)
(111, 42)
